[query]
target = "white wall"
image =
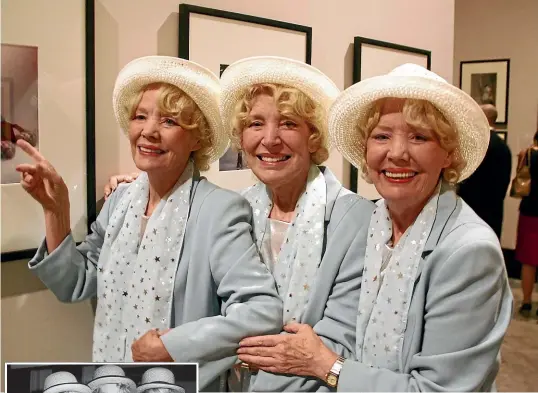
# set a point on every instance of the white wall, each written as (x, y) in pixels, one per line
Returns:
(493, 29)
(126, 29)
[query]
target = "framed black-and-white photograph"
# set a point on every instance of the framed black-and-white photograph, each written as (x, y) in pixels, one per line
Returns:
(47, 76)
(217, 38)
(372, 58)
(101, 377)
(487, 81)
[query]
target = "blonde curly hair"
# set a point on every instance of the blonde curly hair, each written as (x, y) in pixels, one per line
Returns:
(290, 102)
(417, 114)
(175, 103)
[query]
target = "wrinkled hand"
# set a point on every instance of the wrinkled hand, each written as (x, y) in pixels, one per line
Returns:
(113, 182)
(42, 182)
(150, 348)
(300, 353)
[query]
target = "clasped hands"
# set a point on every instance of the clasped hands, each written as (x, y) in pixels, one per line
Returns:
(299, 353)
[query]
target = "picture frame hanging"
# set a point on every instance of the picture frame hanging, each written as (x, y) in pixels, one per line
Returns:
(488, 82)
(52, 83)
(371, 58)
(215, 39)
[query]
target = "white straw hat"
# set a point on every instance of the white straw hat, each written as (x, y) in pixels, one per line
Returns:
(250, 71)
(416, 82)
(110, 374)
(63, 381)
(159, 377)
(195, 80)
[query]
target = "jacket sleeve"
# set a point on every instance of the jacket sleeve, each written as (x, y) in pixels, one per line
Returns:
(338, 324)
(70, 271)
(467, 312)
(250, 306)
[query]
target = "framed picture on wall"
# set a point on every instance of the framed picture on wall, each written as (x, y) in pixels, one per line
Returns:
(47, 100)
(487, 81)
(216, 38)
(372, 58)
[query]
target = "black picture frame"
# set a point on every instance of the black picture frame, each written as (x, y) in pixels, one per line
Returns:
(185, 11)
(358, 44)
(91, 203)
(487, 63)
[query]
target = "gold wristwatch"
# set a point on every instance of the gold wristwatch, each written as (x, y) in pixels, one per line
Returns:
(332, 376)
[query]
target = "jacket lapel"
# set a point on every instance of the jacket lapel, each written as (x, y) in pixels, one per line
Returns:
(446, 207)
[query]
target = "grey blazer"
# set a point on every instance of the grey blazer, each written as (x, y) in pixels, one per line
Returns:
(459, 312)
(334, 299)
(222, 293)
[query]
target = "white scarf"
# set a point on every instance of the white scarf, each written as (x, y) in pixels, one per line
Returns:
(135, 280)
(383, 308)
(300, 254)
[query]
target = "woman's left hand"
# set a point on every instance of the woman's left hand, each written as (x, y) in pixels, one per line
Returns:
(300, 353)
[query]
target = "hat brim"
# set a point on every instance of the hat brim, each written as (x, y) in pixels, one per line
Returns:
(196, 81)
(461, 111)
(65, 387)
(95, 383)
(154, 385)
(242, 74)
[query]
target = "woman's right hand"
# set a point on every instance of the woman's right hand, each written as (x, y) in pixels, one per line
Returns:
(113, 182)
(42, 182)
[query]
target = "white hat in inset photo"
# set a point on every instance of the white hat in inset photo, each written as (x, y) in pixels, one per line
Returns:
(64, 381)
(159, 377)
(196, 81)
(414, 82)
(242, 74)
(110, 374)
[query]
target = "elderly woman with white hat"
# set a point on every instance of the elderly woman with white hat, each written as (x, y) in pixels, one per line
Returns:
(435, 302)
(64, 382)
(170, 250)
(111, 379)
(159, 380)
(310, 230)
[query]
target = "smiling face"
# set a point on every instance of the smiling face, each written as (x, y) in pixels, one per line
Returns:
(404, 161)
(159, 144)
(277, 146)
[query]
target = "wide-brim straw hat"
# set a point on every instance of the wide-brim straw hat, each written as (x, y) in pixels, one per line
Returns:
(159, 377)
(196, 81)
(244, 73)
(63, 381)
(110, 374)
(415, 82)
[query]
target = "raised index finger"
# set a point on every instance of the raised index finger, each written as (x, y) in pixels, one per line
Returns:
(30, 150)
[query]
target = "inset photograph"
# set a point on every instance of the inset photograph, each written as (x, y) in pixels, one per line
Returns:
(101, 378)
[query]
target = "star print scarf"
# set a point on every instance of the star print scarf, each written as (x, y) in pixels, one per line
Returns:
(136, 275)
(300, 254)
(386, 294)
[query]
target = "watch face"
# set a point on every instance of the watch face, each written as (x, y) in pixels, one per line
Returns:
(332, 380)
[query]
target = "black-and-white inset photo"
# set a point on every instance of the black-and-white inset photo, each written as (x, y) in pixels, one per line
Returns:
(101, 378)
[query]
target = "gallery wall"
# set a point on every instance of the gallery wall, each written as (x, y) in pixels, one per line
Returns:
(126, 29)
(494, 29)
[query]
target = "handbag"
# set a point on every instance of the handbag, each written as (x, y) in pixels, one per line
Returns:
(521, 185)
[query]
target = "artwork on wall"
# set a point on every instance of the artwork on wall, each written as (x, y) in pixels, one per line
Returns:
(19, 106)
(487, 81)
(372, 58)
(215, 39)
(47, 99)
(232, 160)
